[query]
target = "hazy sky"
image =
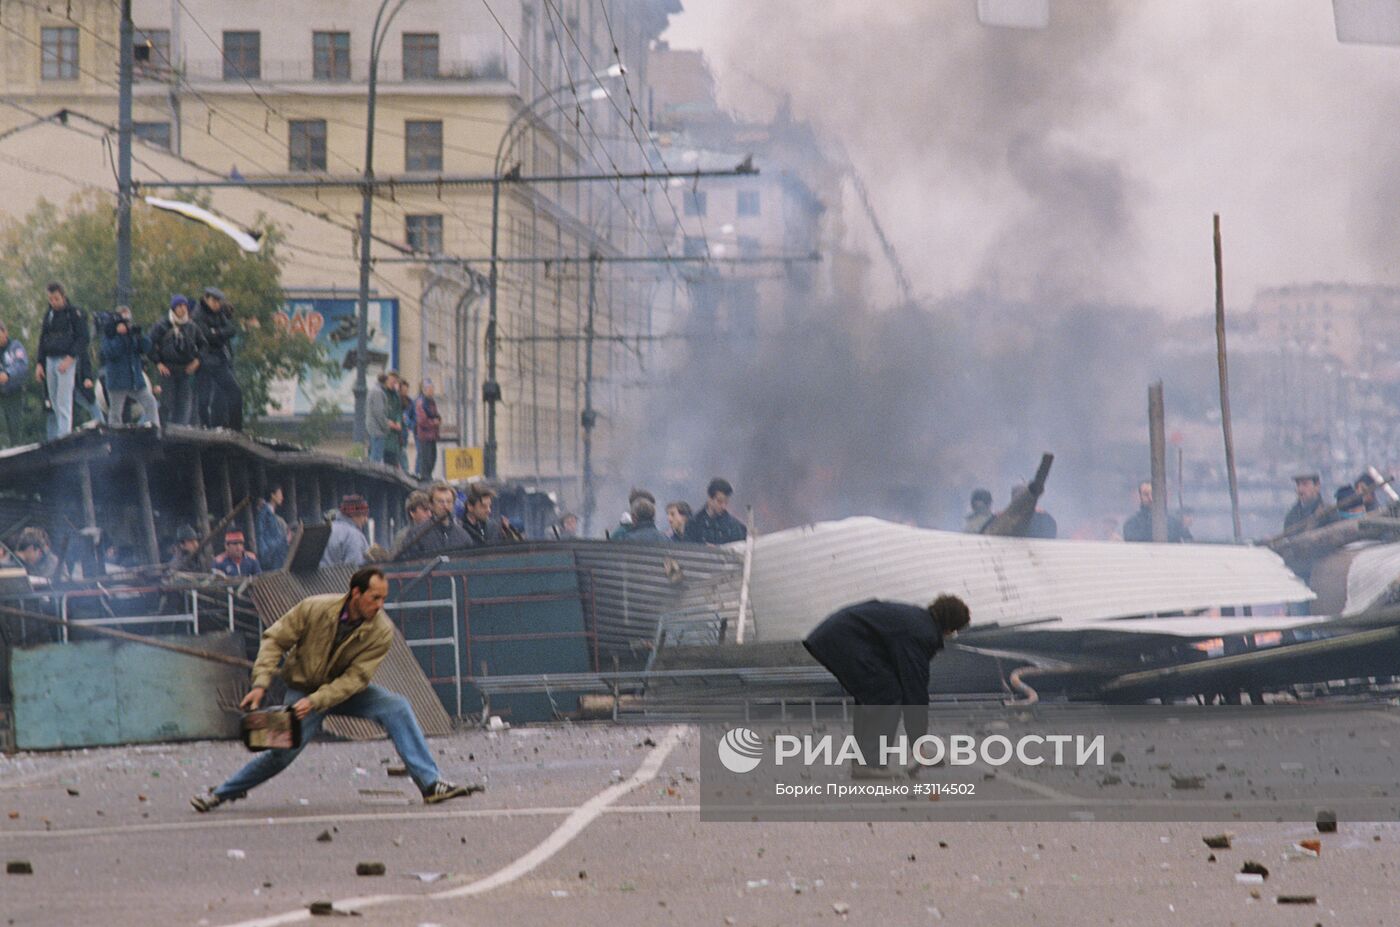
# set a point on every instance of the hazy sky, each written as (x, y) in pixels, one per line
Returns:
(1084, 162)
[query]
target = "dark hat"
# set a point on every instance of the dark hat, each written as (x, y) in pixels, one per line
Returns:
(1312, 477)
(1348, 498)
(354, 504)
(233, 534)
(177, 299)
(186, 533)
(981, 495)
(214, 292)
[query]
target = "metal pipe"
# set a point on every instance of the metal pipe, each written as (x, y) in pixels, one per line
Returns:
(442, 180)
(366, 219)
(124, 130)
(589, 418)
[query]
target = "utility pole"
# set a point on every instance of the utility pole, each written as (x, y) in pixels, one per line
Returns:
(125, 69)
(1225, 424)
(589, 418)
(366, 215)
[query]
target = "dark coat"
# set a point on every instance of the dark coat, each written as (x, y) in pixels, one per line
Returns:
(65, 334)
(438, 536)
(704, 528)
(176, 345)
(1300, 513)
(219, 331)
(878, 651)
(481, 535)
(1139, 528)
(642, 534)
(122, 354)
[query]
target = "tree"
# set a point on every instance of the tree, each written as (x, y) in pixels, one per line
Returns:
(77, 247)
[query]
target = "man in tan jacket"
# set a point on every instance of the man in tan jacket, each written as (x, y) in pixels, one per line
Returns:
(328, 648)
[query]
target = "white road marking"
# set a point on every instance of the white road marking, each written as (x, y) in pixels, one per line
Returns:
(205, 824)
(573, 825)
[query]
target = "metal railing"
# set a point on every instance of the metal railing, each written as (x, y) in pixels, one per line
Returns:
(485, 67)
(451, 602)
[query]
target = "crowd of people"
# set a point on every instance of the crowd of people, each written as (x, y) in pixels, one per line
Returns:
(190, 349)
(393, 415)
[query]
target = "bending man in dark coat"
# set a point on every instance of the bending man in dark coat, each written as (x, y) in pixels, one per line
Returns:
(880, 653)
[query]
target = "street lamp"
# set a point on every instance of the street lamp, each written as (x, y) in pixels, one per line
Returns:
(376, 41)
(491, 388)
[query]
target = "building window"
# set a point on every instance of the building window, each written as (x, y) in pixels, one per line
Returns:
(330, 55)
(156, 133)
(151, 50)
(748, 204)
(422, 145)
(242, 56)
(424, 233)
(307, 143)
(695, 202)
(695, 246)
(60, 53)
(420, 55)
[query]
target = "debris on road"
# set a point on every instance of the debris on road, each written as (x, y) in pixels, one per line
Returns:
(369, 869)
(1217, 841)
(427, 876)
(1250, 867)
(324, 837)
(1327, 822)
(19, 867)
(841, 908)
(1297, 899)
(397, 771)
(237, 854)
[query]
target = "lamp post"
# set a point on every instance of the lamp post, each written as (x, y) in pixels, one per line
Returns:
(376, 40)
(491, 388)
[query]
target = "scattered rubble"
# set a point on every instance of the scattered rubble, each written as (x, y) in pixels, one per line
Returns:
(237, 854)
(1250, 867)
(1217, 841)
(1327, 822)
(841, 908)
(324, 837)
(369, 869)
(19, 867)
(1297, 899)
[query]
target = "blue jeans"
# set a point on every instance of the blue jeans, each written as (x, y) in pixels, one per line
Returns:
(376, 450)
(60, 390)
(389, 709)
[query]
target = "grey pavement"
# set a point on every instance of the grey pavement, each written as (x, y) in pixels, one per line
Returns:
(564, 835)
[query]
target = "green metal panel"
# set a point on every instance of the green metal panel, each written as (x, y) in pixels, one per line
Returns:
(99, 693)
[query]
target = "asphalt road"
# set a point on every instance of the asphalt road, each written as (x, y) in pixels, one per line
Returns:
(601, 826)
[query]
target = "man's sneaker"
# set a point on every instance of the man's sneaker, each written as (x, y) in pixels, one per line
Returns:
(206, 803)
(442, 791)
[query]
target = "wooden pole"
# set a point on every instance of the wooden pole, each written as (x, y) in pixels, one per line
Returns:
(1225, 387)
(1156, 426)
(201, 494)
(85, 485)
(226, 484)
(148, 515)
(289, 486)
(1181, 480)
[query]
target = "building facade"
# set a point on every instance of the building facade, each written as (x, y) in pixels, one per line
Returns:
(264, 89)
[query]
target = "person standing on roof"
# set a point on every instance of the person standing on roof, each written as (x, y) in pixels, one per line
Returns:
(14, 367)
(219, 399)
(177, 344)
(63, 340)
(124, 347)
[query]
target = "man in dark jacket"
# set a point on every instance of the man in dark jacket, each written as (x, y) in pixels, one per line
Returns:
(481, 526)
(426, 421)
(713, 524)
(14, 367)
(176, 346)
(643, 529)
(879, 652)
(1139, 527)
(438, 531)
(62, 342)
(1309, 505)
(218, 398)
(124, 346)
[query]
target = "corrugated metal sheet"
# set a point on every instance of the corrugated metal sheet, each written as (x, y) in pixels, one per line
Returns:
(1372, 572)
(274, 594)
(630, 589)
(803, 574)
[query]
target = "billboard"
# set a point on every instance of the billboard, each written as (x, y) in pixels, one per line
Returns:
(332, 323)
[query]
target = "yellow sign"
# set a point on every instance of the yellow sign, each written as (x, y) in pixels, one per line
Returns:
(463, 463)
